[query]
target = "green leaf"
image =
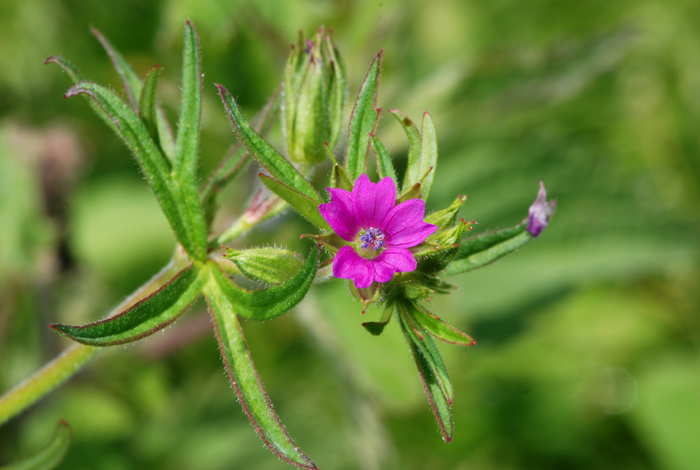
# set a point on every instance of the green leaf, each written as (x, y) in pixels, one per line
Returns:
(130, 79)
(147, 103)
(50, 456)
(439, 329)
(264, 153)
(244, 377)
(363, 121)
(428, 154)
(187, 140)
(75, 75)
(272, 302)
(301, 203)
(187, 221)
(431, 370)
(385, 167)
(149, 315)
(413, 173)
(267, 264)
(133, 88)
(478, 251)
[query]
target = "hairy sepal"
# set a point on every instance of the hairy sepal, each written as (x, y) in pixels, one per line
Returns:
(147, 316)
(267, 303)
(267, 264)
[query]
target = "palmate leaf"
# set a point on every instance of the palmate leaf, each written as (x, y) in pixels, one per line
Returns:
(245, 379)
(149, 315)
(385, 166)
(271, 302)
(440, 329)
(363, 121)
(51, 455)
(481, 250)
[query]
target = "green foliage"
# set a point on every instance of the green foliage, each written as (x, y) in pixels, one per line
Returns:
(363, 121)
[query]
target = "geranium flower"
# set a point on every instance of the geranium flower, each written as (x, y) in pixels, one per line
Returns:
(540, 212)
(380, 231)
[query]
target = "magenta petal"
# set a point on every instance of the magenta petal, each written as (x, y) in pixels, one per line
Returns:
(347, 264)
(340, 215)
(373, 201)
(393, 260)
(404, 226)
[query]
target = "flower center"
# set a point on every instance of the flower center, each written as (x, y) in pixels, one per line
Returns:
(372, 240)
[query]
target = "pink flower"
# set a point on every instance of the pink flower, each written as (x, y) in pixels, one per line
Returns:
(381, 232)
(540, 212)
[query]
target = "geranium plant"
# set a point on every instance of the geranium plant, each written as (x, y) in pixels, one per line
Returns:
(377, 237)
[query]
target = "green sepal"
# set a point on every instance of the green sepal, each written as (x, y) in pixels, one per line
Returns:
(375, 328)
(244, 377)
(340, 178)
(440, 329)
(448, 216)
(267, 303)
(187, 139)
(481, 250)
(266, 264)
(363, 121)
(184, 215)
(412, 174)
(432, 371)
(385, 167)
(366, 295)
(299, 202)
(264, 153)
(147, 103)
(413, 193)
(51, 455)
(149, 315)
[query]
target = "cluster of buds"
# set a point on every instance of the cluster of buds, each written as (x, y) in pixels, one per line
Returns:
(314, 95)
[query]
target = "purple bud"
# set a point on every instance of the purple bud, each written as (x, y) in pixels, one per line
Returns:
(540, 212)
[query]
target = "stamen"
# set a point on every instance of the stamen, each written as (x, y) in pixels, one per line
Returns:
(373, 237)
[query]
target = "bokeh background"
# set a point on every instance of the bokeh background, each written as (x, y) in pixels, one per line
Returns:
(588, 337)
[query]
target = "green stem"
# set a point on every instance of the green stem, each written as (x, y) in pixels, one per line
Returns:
(76, 356)
(46, 379)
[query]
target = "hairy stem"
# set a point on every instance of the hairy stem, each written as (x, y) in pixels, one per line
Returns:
(76, 356)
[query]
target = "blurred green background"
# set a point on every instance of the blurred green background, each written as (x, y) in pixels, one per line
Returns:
(587, 352)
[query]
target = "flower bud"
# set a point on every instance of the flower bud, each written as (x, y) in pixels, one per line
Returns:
(314, 94)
